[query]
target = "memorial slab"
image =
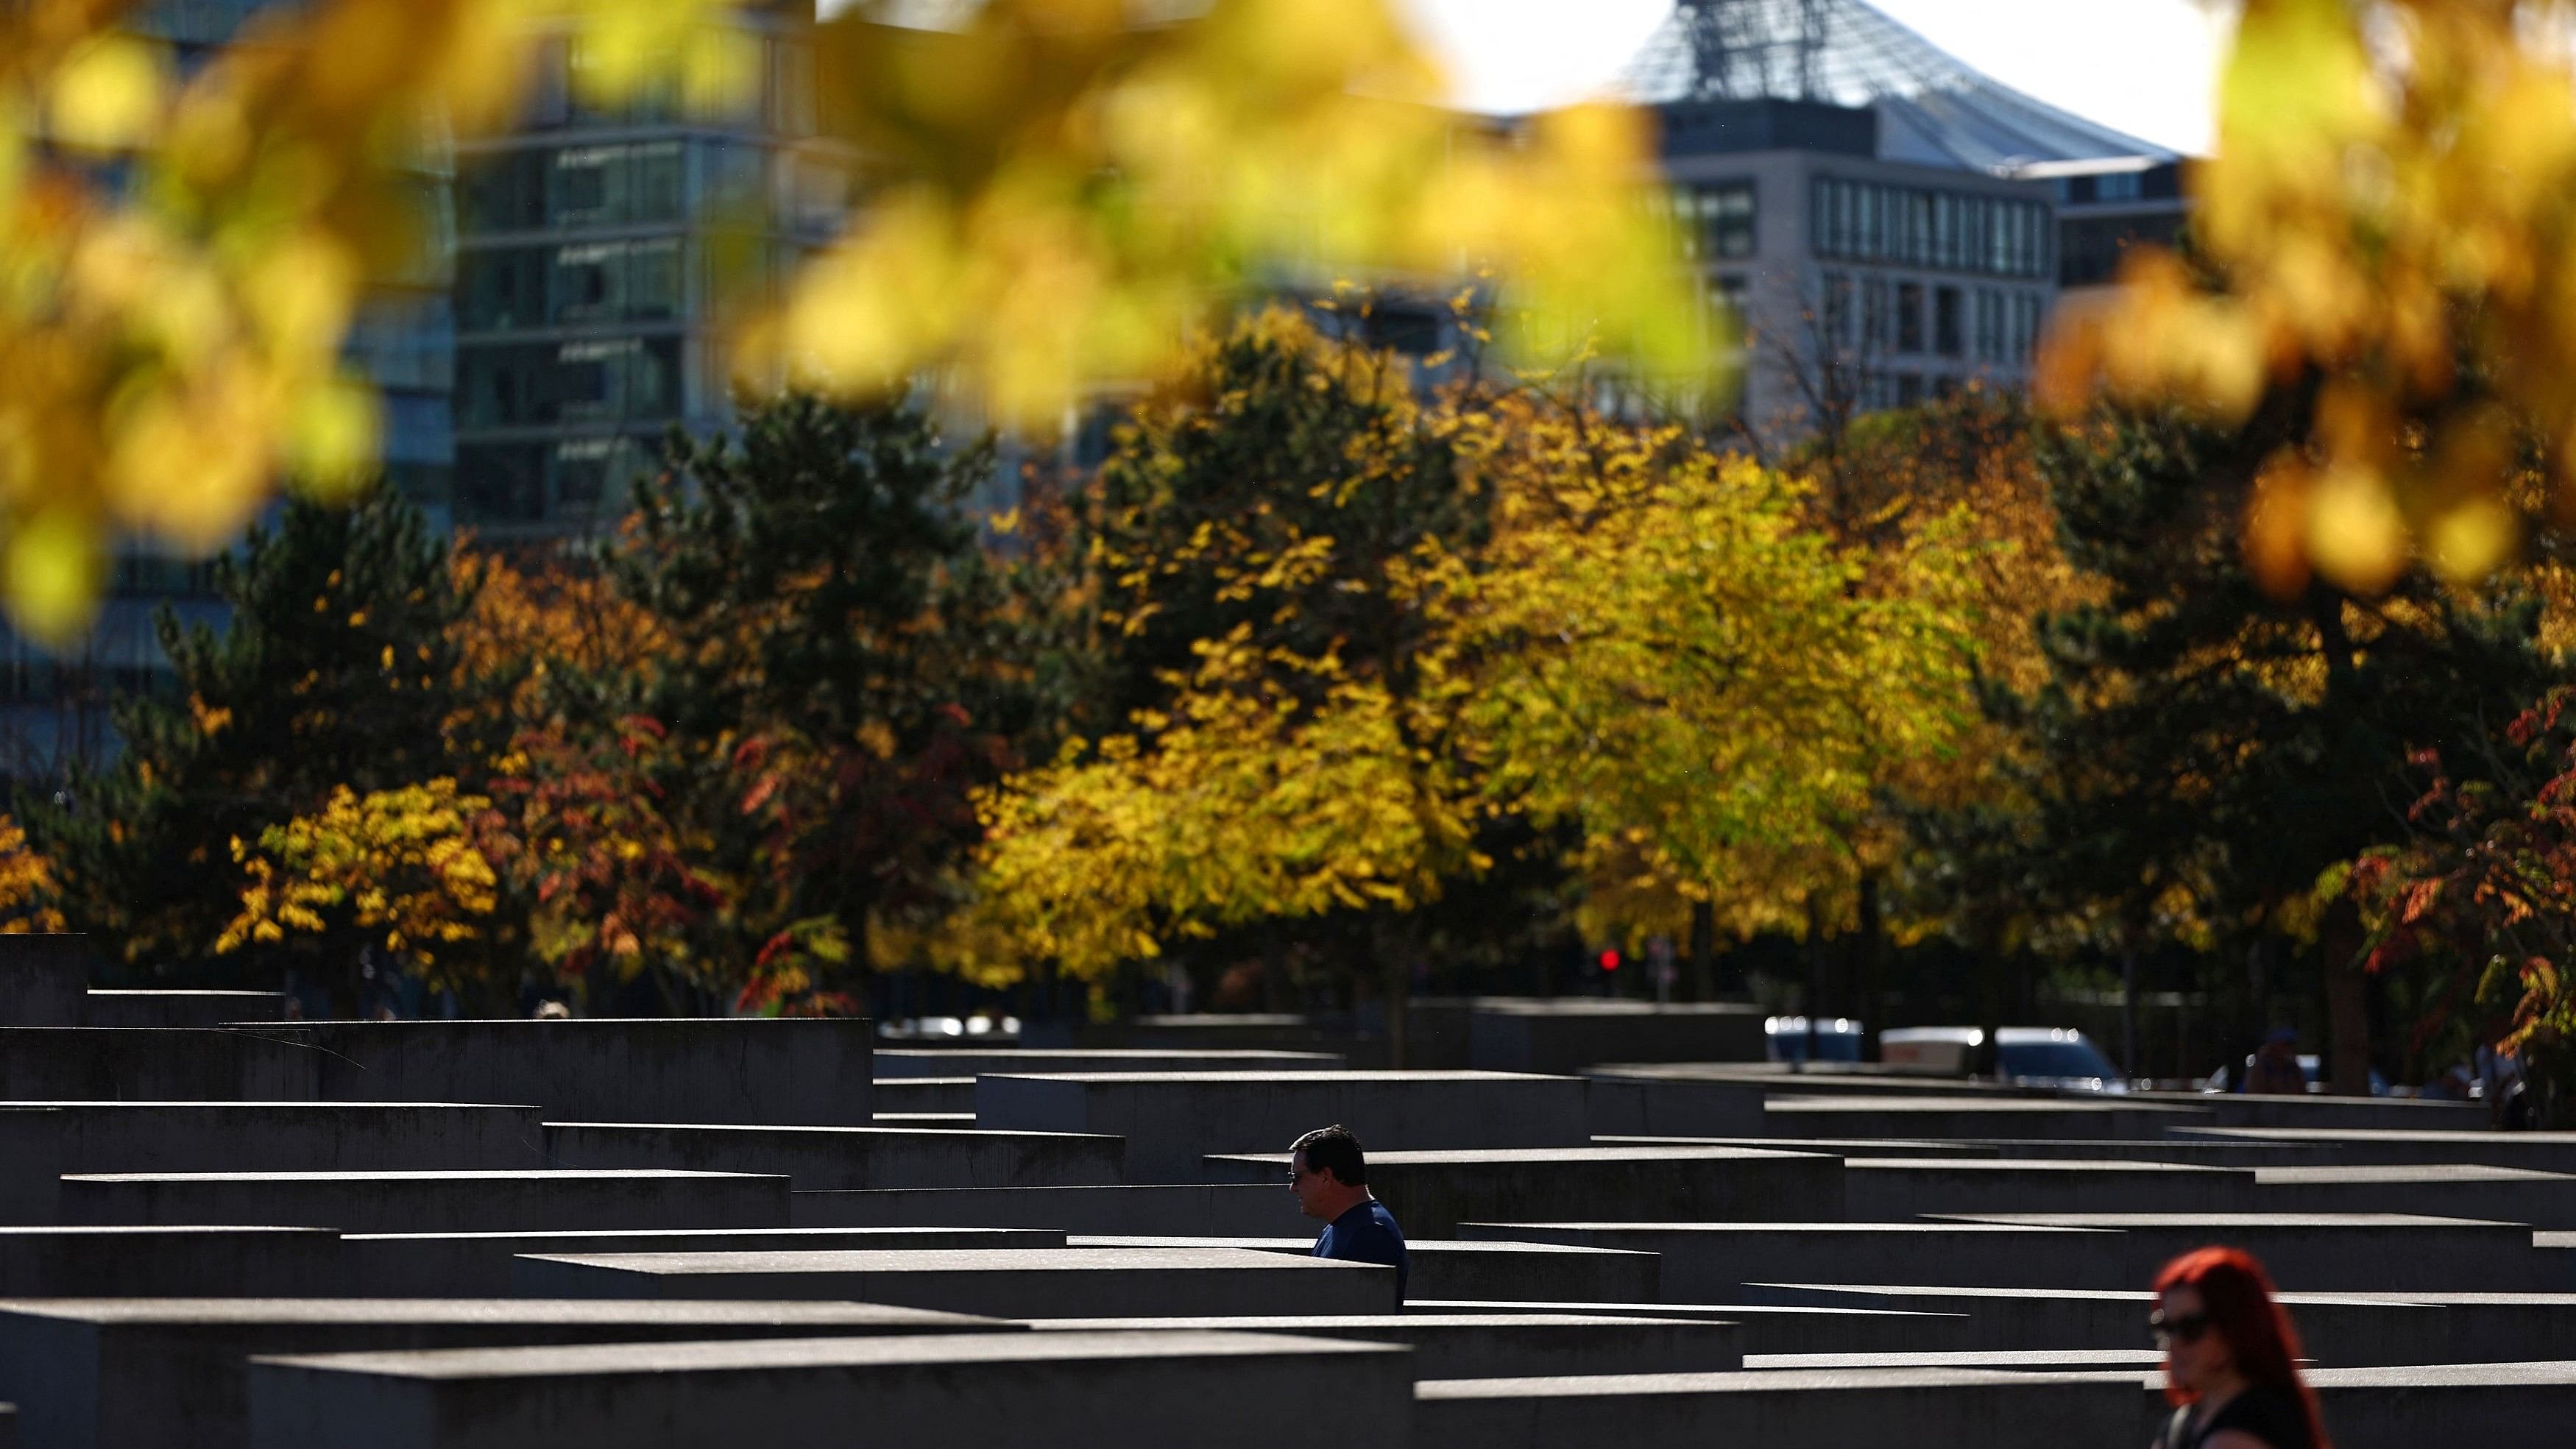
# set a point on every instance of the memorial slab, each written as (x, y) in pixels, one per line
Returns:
(2318, 1110)
(2305, 1252)
(841, 1158)
(119, 1373)
(1766, 1327)
(1002, 1282)
(1570, 1034)
(1893, 1189)
(84, 1262)
(1844, 1147)
(1847, 1407)
(1456, 1345)
(154, 1064)
(923, 1094)
(2334, 1328)
(1969, 1118)
(2361, 1147)
(2187, 1146)
(1196, 1209)
(421, 1202)
(1710, 1262)
(2499, 1194)
(764, 1070)
(1451, 1270)
(181, 1008)
(1173, 1120)
(960, 1391)
(42, 978)
(971, 1062)
(1432, 1192)
(482, 1265)
(2401, 1408)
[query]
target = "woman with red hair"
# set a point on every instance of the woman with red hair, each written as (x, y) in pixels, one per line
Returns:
(2231, 1358)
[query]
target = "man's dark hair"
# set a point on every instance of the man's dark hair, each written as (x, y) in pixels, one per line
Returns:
(1333, 1149)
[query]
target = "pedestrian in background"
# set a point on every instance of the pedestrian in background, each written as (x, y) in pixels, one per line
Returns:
(2231, 1358)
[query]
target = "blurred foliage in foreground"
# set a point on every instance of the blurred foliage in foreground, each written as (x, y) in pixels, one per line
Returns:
(1054, 194)
(2382, 279)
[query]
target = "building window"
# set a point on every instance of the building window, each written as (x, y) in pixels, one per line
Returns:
(1990, 325)
(1875, 314)
(1947, 338)
(1909, 389)
(1956, 231)
(1836, 320)
(1716, 220)
(1909, 316)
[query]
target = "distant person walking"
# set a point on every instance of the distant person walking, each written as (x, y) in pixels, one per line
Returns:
(2231, 1358)
(1331, 1181)
(2273, 1070)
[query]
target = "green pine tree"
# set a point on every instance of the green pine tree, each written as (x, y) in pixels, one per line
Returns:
(335, 668)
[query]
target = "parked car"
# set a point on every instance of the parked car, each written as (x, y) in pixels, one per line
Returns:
(2033, 1056)
(1836, 1039)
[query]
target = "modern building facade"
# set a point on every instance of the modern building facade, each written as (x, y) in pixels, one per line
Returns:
(1878, 222)
(600, 249)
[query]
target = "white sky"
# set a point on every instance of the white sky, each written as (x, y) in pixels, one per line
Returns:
(2147, 67)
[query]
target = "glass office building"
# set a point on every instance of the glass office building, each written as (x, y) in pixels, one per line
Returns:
(600, 252)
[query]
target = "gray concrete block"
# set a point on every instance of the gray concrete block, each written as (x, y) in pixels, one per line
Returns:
(923, 1094)
(1202, 1209)
(1004, 1282)
(1843, 1147)
(181, 1008)
(1470, 1345)
(1711, 1262)
(421, 1202)
(1467, 1271)
(944, 1121)
(2497, 1194)
(283, 1136)
(2187, 1146)
(2320, 1111)
(2335, 1328)
(116, 1373)
(2363, 1147)
(83, 1262)
(42, 977)
(1645, 1106)
(1432, 1192)
(39, 1141)
(1894, 1189)
(1570, 1034)
(2011, 1360)
(767, 1070)
(1973, 1118)
(2304, 1252)
(970, 1062)
(2403, 1408)
(1171, 1120)
(1766, 1327)
(965, 1391)
(836, 1158)
(154, 1064)
(1197, 1032)
(480, 1265)
(1827, 1409)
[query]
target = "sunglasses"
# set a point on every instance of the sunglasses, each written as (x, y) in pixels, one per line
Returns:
(2185, 1329)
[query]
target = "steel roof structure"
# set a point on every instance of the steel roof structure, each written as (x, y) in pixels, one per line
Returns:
(1933, 108)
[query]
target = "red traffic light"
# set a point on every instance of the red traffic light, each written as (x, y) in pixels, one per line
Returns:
(1609, 960)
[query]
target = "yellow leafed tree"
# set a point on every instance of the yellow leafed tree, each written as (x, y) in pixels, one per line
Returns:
(403, 869)
(1057, 191)
(2386, 252)
(26, 885)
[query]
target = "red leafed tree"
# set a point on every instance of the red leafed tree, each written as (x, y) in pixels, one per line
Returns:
(2478, 904)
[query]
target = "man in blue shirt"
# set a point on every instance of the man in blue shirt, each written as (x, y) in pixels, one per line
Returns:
(1331, 1180)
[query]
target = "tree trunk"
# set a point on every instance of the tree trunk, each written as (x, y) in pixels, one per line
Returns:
(1703, 951)
(1814, 1002)
(2347, 1002)
(1397, 945)
(1872, 946)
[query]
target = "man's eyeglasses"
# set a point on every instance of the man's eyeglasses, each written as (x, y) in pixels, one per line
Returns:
(2187, 1328)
